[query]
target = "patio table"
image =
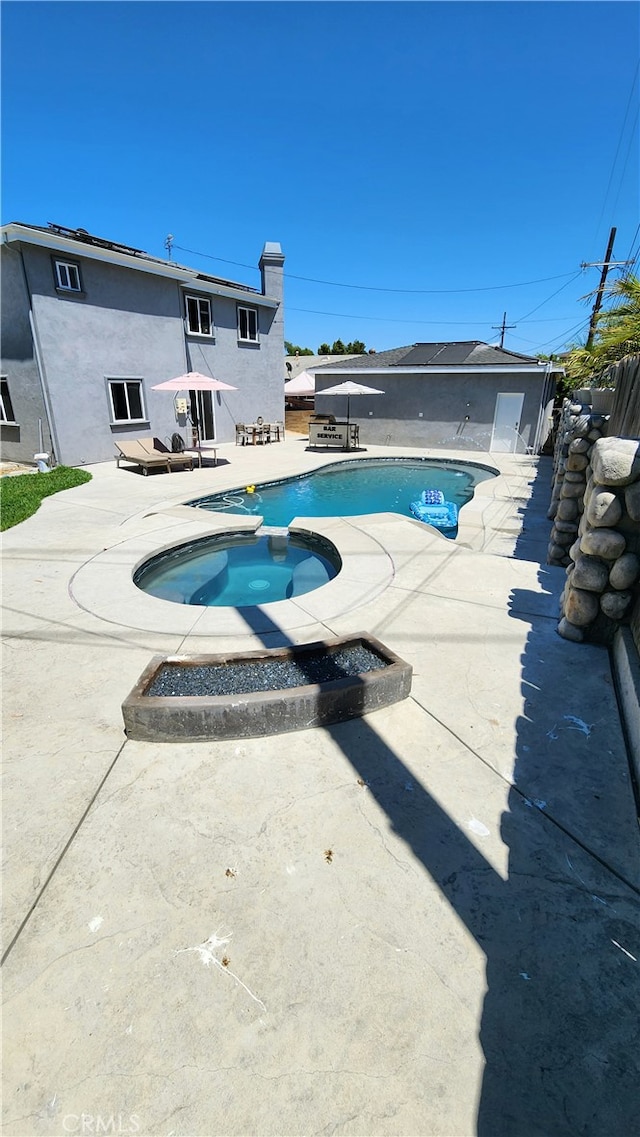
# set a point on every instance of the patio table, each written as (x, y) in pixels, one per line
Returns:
(262, 432)
(203, 453)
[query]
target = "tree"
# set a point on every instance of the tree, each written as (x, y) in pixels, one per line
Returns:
(617, 334)
(293, 349)
(356, 347)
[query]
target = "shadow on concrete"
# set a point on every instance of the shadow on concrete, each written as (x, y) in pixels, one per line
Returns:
(560, 935)
(533, 539)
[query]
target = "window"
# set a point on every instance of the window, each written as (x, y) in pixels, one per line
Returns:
(248, 324)
(198, 315)
(126, 400)
(68, 276)
(6, 408)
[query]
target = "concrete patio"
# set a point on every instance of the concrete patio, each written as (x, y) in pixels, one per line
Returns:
(424, 922)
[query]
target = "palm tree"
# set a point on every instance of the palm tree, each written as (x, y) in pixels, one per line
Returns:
(617, 334)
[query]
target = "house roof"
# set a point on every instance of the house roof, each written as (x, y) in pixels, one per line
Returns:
(82, 243)
(462, 353)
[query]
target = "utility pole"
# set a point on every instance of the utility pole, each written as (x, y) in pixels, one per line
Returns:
(502, 328)
(168, 243)
(606, 265)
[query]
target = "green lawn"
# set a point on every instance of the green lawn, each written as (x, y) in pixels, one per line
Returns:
(20, 495)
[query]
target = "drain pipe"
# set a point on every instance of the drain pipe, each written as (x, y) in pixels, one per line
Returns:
(537, 441)
(41, 457)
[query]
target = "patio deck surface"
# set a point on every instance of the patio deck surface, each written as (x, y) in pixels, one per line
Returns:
(424, 922)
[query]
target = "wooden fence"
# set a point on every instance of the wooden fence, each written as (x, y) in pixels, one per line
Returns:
(625, 414)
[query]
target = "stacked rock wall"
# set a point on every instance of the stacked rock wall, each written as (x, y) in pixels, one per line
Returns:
(578, 431)
(603, 562)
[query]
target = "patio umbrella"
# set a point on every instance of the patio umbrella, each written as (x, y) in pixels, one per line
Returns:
(303, 384)
(349, 388)
(193, 381)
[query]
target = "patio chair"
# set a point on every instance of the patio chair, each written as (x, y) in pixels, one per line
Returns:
(242, 435)
(150, 454)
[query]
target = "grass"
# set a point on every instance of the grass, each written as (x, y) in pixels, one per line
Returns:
(20, 495)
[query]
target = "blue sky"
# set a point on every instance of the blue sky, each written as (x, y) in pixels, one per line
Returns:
(424, 152)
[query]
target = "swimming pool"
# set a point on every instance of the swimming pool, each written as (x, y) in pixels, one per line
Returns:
(240, 570)
(349, 489)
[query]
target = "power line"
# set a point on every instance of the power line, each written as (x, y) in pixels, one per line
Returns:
(615, 158)
(571, 332)
(195, 253)
(393, 320)
(562, 286)
(373, 288)
(632, 139)
(427, 291)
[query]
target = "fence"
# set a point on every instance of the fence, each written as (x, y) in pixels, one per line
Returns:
(624, 421)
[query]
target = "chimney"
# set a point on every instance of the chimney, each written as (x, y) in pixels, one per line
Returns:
(271, 263)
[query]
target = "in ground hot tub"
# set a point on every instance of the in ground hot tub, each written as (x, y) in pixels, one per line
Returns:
(241, 569)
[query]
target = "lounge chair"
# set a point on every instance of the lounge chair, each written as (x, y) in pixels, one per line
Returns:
(144, 453)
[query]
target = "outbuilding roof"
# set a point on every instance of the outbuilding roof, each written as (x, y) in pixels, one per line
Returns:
(461, 353)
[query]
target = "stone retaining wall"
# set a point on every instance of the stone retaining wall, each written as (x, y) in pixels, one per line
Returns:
(595, 508)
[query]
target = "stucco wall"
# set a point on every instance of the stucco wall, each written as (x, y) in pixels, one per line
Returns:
(431, 410)
(129, 324)
(22, 441)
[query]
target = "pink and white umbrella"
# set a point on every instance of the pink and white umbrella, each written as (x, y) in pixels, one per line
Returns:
(193, 381)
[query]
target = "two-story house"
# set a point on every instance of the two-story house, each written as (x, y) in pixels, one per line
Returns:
(89, 326)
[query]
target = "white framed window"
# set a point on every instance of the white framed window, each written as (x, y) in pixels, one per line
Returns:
(198, 313)
(6, 407)
(68, 276)
(127, 400)
(248, 325)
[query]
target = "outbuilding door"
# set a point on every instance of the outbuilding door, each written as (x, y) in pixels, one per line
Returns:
(506, 422)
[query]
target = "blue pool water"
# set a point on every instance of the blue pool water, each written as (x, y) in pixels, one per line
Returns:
(348, 489)
(240, 570)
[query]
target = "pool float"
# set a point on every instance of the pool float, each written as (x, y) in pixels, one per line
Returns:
(432, 508)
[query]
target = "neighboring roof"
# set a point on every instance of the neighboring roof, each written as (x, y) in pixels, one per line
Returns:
(87, 244)
(460, 353)
(294, 364)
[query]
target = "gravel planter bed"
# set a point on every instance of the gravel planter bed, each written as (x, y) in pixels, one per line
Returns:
(248, 694)
(245, 676)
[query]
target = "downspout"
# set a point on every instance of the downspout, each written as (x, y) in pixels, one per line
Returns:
(537, 442)
(40, 366)
(45, 394)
